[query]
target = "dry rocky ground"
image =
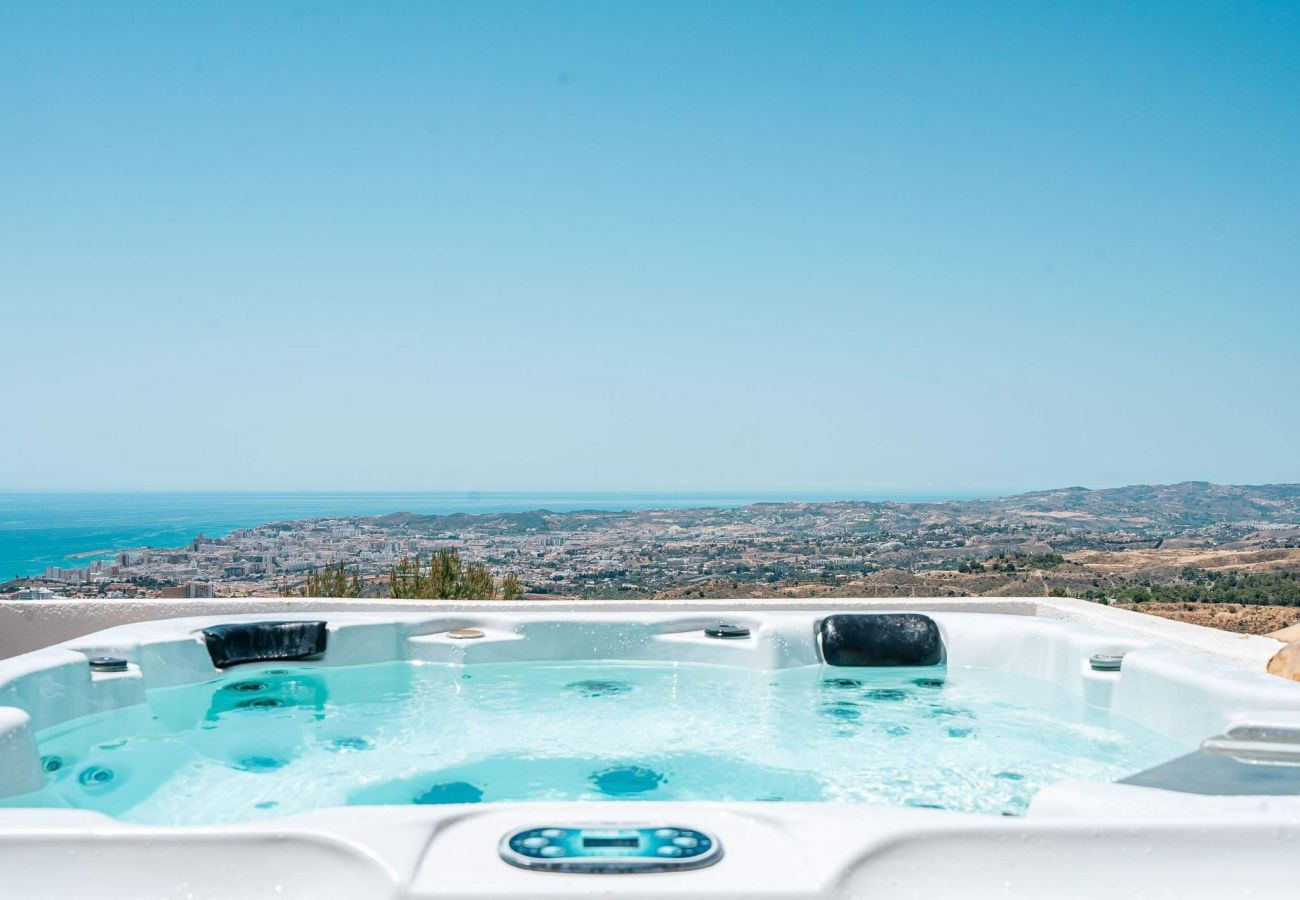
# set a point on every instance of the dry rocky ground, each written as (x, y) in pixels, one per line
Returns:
(1077, 574)
(1227, 616)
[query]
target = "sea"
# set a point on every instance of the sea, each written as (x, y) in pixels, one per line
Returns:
(71, 529)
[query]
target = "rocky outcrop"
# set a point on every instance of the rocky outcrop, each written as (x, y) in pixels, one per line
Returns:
(1286, 662)
(1287, 635)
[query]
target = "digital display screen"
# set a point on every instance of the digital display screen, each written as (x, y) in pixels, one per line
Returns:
(611, 842)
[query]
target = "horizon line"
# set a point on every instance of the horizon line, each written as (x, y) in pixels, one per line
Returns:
(847, 492)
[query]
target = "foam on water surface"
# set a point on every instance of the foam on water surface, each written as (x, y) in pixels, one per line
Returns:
(267, 741)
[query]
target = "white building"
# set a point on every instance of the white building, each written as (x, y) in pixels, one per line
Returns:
(37, 593)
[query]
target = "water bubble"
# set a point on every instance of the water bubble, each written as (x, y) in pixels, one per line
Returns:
(622, 780)
(898, 731)
(259, 703)
(344, 744)
(841, 709)
(266, 804)
(450, 792)
(886, 695)
(960, 732)
(593, 688)
(948, 712)
(260, 764)
(843, 684)
(1010, 776)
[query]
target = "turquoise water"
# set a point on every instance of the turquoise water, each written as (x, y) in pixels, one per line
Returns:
(45, 529)
(264, 742)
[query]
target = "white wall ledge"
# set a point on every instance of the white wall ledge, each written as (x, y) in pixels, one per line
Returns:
(27, 625)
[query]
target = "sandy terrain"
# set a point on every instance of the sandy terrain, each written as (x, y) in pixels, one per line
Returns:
(1227, 616)
(1125, 562)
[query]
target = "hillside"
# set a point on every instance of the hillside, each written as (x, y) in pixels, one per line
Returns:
(1164, 545)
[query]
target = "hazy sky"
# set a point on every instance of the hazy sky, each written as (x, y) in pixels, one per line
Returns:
(648, 245)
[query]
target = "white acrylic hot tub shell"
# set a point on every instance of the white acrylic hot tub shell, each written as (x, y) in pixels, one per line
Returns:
(1078, 840)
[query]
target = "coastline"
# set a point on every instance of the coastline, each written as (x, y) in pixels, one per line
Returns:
(42, 529)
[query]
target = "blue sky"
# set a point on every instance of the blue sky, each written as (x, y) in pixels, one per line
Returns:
(648, 245)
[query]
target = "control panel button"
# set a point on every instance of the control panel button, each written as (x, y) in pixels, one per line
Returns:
(534, 842)
(669, 850)
(685, 841)
(553, 851)
(666, 832)
(554, 832)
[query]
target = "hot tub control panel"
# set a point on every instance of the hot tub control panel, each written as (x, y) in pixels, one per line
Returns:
(610, 848)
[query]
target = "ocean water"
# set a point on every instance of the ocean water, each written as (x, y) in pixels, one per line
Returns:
(268, 741)
(50, 529)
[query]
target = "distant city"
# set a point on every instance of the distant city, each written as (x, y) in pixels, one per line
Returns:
(1119, 544)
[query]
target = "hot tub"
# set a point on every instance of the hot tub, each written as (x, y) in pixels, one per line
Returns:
(1009, 750)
